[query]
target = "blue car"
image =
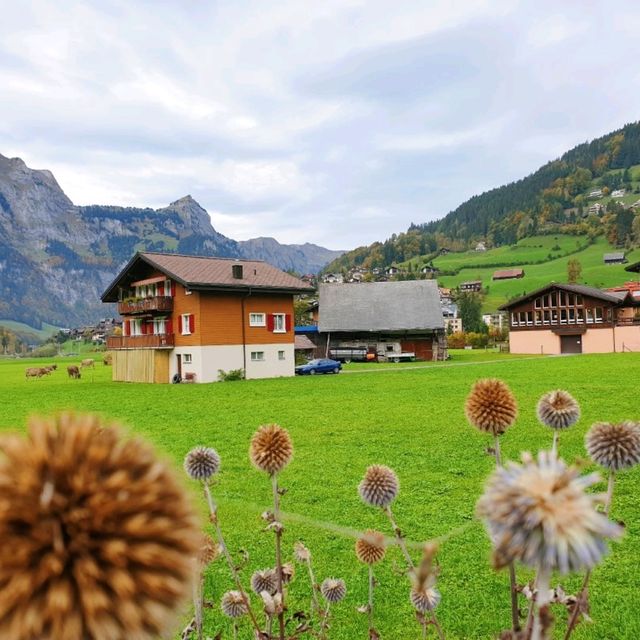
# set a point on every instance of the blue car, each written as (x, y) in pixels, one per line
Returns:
(320, 365)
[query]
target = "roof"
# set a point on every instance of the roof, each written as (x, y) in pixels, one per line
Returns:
(592, 292)
(303, 342)
(633, 267)
(471, 282)
(614, 256)
(508, 273)
(202, 273)
(412, 305)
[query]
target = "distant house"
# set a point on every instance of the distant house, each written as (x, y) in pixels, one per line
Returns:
(618, 193)
(615, 258)
(495, 320)
(392, 270)
(595, 208)
(634, 268)
(428, 269)
(444, 250)
(451, 319)
(304, 347)
(481, 247)
(508, 274)
(333, 278)
(471, 285)
(383, 317)
(597, 193)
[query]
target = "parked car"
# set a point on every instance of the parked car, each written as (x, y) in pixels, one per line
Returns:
(320, 365)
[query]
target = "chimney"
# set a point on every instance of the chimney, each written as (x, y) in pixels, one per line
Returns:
(236, 270)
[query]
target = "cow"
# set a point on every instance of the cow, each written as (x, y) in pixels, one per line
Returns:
(47, 371)
(87, 362)
(53, 367)
(73, 371)
(34, 372)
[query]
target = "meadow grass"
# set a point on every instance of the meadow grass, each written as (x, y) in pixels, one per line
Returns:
(409, 418)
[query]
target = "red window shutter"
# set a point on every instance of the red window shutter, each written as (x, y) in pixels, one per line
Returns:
(173, 289)
(160, 288)
(287, 322)
(168, 326)
(270, 322)
(192, 323)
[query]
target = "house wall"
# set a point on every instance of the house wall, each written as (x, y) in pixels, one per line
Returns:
(537, 341)
(140, 365)
(628, 338)
(593, 340)
(598, 340)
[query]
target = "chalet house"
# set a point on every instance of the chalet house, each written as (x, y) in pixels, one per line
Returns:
(382, 316)
(634, 268)
(597, 193)
(187, 317)
(569, 318)
(472, 285)
(508, 274)
(615, 258)
(392, 270)
(333, 278)
(596, 208)
(481, 246)
(618, 193)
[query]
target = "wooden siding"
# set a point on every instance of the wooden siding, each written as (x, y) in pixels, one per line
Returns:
(143, 365)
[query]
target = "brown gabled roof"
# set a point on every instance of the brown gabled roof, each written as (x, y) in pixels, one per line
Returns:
(202, 273)
(508, 273)
(592, 292)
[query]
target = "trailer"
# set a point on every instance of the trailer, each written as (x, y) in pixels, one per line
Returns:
(392, 352)
(349, 354)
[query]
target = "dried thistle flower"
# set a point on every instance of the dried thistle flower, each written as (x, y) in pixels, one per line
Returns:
(233, 604)
(301, 553)
(264, 580)
(271, 448)
(614, 446)
(201, 463)
(558, 409)
(370, 548)
(209, 550)
(425, 599)
(540, 514)
(98, 536)
(287, 573)
(380, 486)
(491, 407)
(333, 589)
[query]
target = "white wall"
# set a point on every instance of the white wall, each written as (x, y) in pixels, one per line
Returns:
(271, 367)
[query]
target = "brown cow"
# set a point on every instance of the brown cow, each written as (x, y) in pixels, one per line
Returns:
(73, 371)
(88, 362)
(34, 372)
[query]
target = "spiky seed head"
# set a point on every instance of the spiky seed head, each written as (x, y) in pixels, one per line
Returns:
(333, 589)
(202, 463)
(233, 604)
(288, 571)
(98, 535)
(491, 407)
(209, 550)
(370, 547)
(540, 514)
(301, 553)
(380, 486)
(271, 448)
(614, 446)
(425, 599)
(264, 580)
(558, 409)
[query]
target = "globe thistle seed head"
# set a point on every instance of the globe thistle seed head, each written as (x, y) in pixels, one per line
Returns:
(333, 589)
(301, 553)
(540, 514)
(233, 604)
(491, 407)
(380, 486)
(209, 550)
(264, 580)
(558, 409)
(98, 534)
(202, 463)
(371, 548)
(425, 599)
(614, 446)
(288, 571)
(271, 448)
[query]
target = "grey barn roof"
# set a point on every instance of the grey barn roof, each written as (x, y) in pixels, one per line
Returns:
(412, 305)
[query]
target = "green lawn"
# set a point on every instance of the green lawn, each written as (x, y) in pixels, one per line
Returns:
(409, 418)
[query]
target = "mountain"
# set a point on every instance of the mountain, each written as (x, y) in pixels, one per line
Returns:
(56, 258)
(553, 199)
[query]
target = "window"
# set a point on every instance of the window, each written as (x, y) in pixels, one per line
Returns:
(538, 303)
(598, 312)
(280, 355)
(187, 324)
(257, 320)
(257, 356)
(159, 325)
(589, 315)
(279, 323)
(186, 358)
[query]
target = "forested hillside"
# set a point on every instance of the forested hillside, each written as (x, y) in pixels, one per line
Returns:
(554, 199)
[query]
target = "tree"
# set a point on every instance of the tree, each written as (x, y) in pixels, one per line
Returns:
(574, 270)
(469, 307)
(4, 340)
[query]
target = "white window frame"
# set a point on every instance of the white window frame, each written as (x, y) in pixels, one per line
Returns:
(280, 319)
(257, 319)
(257, 356)
(282, 355)
(187, 359)
(185, 329)
(160, 325)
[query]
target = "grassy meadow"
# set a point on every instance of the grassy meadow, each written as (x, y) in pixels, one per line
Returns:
(408, 417)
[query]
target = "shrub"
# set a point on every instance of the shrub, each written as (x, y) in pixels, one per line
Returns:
(231, 375)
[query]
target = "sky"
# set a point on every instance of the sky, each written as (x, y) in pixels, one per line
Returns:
(337, 122)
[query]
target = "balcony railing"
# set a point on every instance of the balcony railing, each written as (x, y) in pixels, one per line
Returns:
(157, 303)
(160, 341)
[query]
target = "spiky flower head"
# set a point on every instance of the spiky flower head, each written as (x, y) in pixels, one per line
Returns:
(287, 573)
(558, 409)
(539, 513)
(202, 463)
(380, 486)
(333, 589)
(425, 599)
(614, 446)
(271, 448)
(370, 547)
(98, 536)
(209, 550)
(264, 580)
(301, 553)
(233, 604)
(491, 407)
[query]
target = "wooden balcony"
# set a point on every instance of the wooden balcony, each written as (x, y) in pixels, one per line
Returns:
(161, 341)
(144, 305)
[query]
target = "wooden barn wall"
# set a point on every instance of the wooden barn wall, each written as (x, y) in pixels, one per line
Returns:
(135, 365)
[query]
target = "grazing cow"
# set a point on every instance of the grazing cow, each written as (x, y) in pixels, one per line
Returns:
(73, 371)
(47, 371)
(53, 366)
(34, 372)
(88, 362)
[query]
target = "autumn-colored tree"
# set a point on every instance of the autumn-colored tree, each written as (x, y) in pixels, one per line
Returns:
(574, 270)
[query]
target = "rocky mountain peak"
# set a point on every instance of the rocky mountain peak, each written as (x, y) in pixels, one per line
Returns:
(193, 214)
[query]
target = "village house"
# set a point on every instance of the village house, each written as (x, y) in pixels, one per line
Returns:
(496, 320)
(480, 246)
(615, 258)
(471, 286)
(596, 208)
(334, 278)
(188, 317)
(597, 193)
(569, 318)
(618, 193)
(452, 321)
(508, 274)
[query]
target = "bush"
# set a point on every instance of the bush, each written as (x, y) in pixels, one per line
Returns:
(231, 375)
(45, 351)
(456, 340)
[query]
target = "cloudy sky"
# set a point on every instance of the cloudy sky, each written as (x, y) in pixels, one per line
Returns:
(337, 122)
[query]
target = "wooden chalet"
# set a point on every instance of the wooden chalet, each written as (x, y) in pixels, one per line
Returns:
(570, 318)
(188, 317)
(471, 286)
(616, 257)
(508, 274)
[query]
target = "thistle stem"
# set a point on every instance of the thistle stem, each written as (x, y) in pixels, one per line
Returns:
(213, 511)
(543, 580)
(370, 610)
(323, 623)
(314, 588)
(609, 498)
(276, 515)
(197, 603)
(554, 447)
(235, 630)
